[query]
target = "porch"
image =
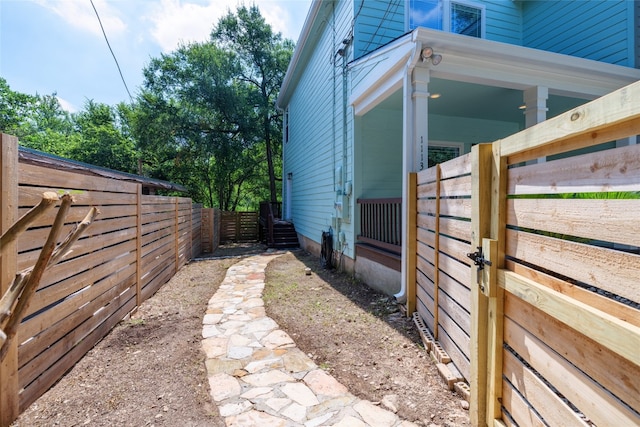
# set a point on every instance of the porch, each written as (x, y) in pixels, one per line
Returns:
(380, 236)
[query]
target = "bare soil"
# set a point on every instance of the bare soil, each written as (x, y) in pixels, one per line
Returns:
(149, 371)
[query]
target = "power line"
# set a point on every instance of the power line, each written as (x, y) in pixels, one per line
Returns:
(111, 50)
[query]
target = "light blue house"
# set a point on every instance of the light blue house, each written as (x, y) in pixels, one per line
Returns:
(380, 88)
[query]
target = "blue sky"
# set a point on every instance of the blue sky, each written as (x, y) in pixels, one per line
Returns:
(49, 46)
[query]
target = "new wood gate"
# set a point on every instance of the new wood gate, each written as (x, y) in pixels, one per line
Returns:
(547, 327)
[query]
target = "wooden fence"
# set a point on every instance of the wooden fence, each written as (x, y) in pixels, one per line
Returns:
(210, 230)
(239, 227)
(545, 322)
(137, 243)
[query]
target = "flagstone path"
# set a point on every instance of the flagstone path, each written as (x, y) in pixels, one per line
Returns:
(257, 375)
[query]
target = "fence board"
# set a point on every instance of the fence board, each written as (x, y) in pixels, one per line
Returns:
(457, 356)
(579, 218)
(619, 375)
(539, 396)
(456, 187)
(57, 336)
(595, 402)
(588, 264)
(37, 175)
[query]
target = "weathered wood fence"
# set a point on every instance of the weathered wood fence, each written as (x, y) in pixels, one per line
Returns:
(137, 243)
(239, 226)
(547, 330)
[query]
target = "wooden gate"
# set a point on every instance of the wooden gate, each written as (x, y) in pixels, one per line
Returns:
(239, 227)
(554, 291)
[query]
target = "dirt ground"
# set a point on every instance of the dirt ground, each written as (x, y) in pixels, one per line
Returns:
(149, 371)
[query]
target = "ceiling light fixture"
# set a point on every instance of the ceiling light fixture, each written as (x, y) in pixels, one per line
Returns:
(435, 96)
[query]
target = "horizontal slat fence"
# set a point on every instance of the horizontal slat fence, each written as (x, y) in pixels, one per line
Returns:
(573, 227)
(239, 226)
(442, 268)
(547, 330)
(135, 245)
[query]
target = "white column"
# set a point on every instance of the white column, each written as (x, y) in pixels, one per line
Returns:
(420, 119)
(535, 101)
(415, 143)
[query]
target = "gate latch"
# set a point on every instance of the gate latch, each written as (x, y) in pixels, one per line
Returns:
(478, 258)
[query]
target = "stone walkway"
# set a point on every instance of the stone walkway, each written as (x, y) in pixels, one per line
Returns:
(257, 375)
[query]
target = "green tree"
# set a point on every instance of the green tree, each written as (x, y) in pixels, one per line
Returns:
(193, 123)
(102, 141)
(264, 57)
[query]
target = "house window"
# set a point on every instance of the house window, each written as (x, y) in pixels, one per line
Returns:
(440, 152)
(455, 16)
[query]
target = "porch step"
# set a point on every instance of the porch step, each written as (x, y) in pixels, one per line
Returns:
(284, 236)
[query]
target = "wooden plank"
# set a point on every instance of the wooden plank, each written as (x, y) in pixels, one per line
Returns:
(459, 315)
(456, 334)
(606, 269)
(456, 167)
(426, 237)
(77, 213)
(424, 265)
(603, 171)
(35, 238)
(455, 269)
(425, 294)
(138, 264)
(411, 239)
(427, 175)
(54, 294)
(456, 228)
(9, 403)
(427, 191)
(456, 187)
(30, 196)
(593, 299)
(125, 302)
(424, 313)
(580, 218)
(456, 249)
(460, 208)
(427, 222)
(621, 337)
(616, 374)
(45, 348)
(591, 399)
(84, 246)
(36, 175)
(459, 292)
(480, 227)
(457, 357)
(611, 117)
(518, 408)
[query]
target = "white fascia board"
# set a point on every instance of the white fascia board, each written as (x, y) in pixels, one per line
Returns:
(505, 65)
(385, 69)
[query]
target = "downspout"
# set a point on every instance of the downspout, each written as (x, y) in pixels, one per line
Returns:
(408, 158)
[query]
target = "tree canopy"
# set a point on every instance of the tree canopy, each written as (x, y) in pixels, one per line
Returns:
(204, 117)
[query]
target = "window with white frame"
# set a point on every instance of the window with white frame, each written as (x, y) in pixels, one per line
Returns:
(455, 16)
(440, 152)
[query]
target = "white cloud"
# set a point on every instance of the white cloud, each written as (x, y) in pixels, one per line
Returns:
(177, 21)
(183, 21)
(66, 105)
(80, 14)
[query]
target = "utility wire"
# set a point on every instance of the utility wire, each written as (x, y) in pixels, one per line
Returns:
(111, 50)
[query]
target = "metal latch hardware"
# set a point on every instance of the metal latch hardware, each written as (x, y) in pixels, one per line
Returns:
(478, 259)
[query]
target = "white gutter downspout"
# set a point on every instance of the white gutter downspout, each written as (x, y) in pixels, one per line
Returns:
(408, 157)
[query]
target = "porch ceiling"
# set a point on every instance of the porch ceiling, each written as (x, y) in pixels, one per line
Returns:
(461, 99)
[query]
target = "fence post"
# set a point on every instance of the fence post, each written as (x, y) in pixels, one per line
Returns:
(495, 250)
(9, 399)
(481, 159)
(176, 235)
(436, 258)
(412, 241)
(139, 247)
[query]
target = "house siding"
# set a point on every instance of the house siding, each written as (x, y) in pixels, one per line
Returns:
(503, 21)
(317, 143)
(597, 30)
(377, 23)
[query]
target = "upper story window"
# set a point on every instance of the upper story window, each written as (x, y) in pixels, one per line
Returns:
(455, 16)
